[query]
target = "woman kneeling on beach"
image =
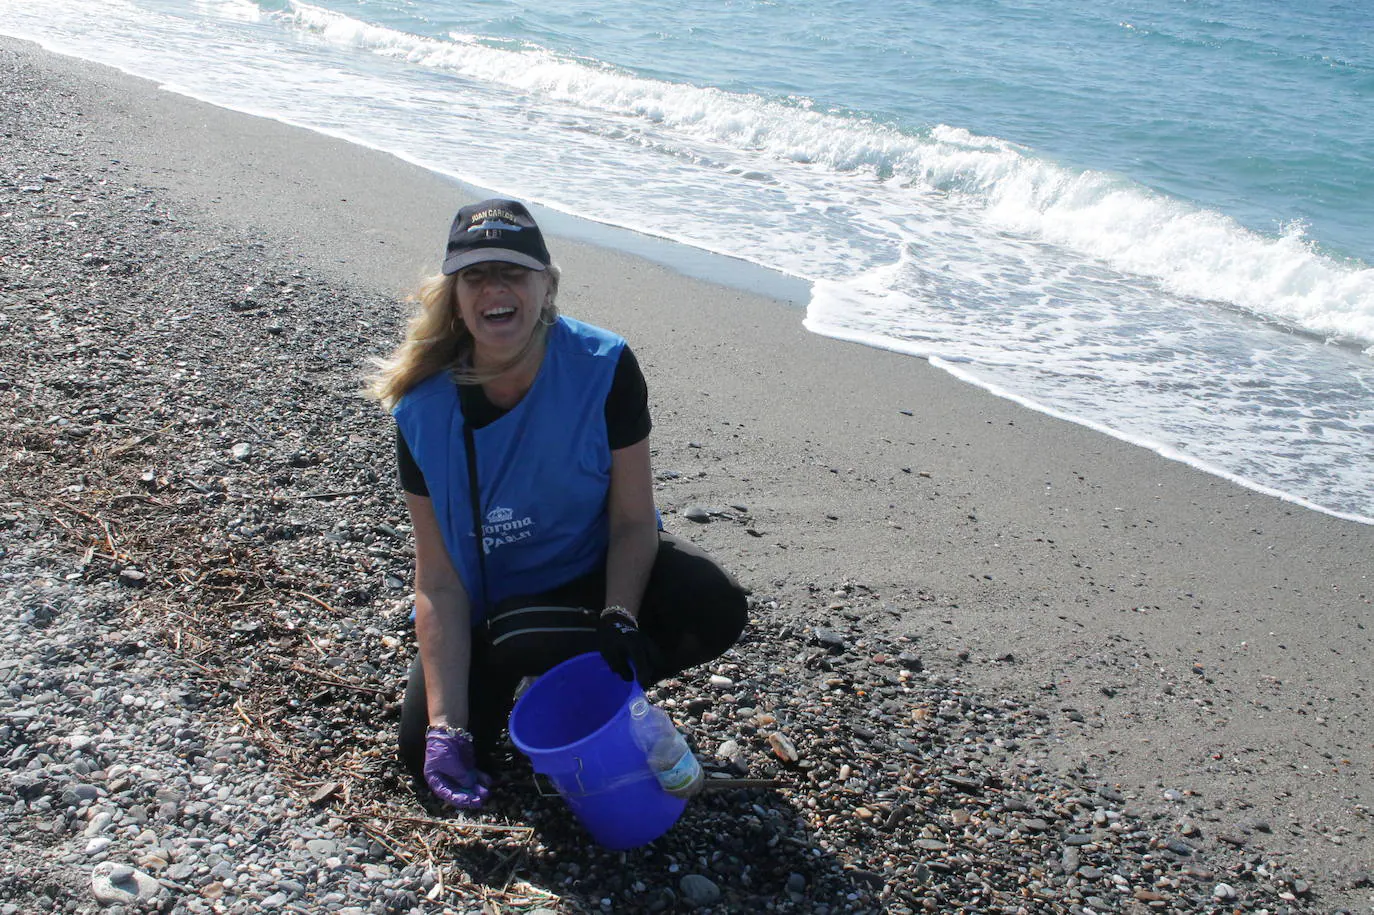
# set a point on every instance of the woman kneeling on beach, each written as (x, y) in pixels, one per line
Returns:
(523, 449)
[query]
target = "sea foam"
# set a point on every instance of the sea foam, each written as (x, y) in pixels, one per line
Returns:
(1190, 251)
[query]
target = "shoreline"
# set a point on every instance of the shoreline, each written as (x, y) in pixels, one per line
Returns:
(698, 263)
(1181, 634)
(735, 273)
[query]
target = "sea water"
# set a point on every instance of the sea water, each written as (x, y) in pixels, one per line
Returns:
(1155, 221)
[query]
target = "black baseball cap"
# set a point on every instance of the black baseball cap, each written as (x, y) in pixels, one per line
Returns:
(495, 230)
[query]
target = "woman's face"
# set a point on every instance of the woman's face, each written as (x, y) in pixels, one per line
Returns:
(500, 304)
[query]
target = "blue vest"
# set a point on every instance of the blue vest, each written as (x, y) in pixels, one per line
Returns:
(543, 469)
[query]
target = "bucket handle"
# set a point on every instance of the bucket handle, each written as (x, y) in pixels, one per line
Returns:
(539, 787)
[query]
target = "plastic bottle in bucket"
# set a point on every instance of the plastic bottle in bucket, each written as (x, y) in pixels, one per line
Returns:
(665, 750)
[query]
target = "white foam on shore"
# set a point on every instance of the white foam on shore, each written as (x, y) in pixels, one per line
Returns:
(1191, 252)
(1166, 451)
(801, 168)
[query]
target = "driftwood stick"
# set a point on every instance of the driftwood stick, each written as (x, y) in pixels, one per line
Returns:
(724, 784)
(247, 603)
(441, 824)
(335, 681)
(320, 675)
(109, 538)
(314, 644)
(137, 497)
(313, 599)
(238, 707)
(130, 444)
(384, 840)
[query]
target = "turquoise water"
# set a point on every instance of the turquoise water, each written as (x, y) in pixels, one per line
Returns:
(1157, 223)
(1257, 110)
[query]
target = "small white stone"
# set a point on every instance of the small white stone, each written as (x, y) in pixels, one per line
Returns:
(719, 682)
(99, 823)
(1224, 891)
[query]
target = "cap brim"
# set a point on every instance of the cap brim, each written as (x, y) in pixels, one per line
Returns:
(483, 255)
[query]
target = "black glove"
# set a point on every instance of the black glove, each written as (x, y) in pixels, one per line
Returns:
(627, 651)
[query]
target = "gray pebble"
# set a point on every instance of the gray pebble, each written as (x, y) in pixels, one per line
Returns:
(830, 640)
(699, 891)
(324, 848)
(99, 823)
(119, 884)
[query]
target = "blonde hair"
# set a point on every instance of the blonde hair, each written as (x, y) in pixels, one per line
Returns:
(436, 339)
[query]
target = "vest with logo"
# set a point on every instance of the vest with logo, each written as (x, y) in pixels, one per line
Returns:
(543, 470)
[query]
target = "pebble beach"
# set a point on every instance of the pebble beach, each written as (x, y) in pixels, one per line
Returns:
(996, 662)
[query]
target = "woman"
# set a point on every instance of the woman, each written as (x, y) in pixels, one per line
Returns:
(522, 444)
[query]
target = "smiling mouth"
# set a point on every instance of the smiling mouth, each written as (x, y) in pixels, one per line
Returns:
(503, 313)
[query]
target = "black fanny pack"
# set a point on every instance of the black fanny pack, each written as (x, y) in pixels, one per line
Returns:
(526, 622)
(529, 639)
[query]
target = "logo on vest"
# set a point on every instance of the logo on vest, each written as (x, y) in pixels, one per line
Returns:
(503, 529)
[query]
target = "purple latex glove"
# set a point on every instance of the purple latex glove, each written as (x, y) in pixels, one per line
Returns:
(451, 769)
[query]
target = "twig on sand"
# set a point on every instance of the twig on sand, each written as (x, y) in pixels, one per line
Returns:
(298, 667)
(723, 784)
(314, 644)
(133, 443)
(459, 825)
(109, 538)
(136, 497)
(238, 707)
(312, 598)
(381, 838)
(515, 861)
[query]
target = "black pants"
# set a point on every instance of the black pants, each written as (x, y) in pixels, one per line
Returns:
(692, 611)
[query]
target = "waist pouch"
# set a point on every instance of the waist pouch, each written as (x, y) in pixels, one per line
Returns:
(528, 640)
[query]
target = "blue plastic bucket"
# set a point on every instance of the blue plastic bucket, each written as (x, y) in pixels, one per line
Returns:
(574, 725)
